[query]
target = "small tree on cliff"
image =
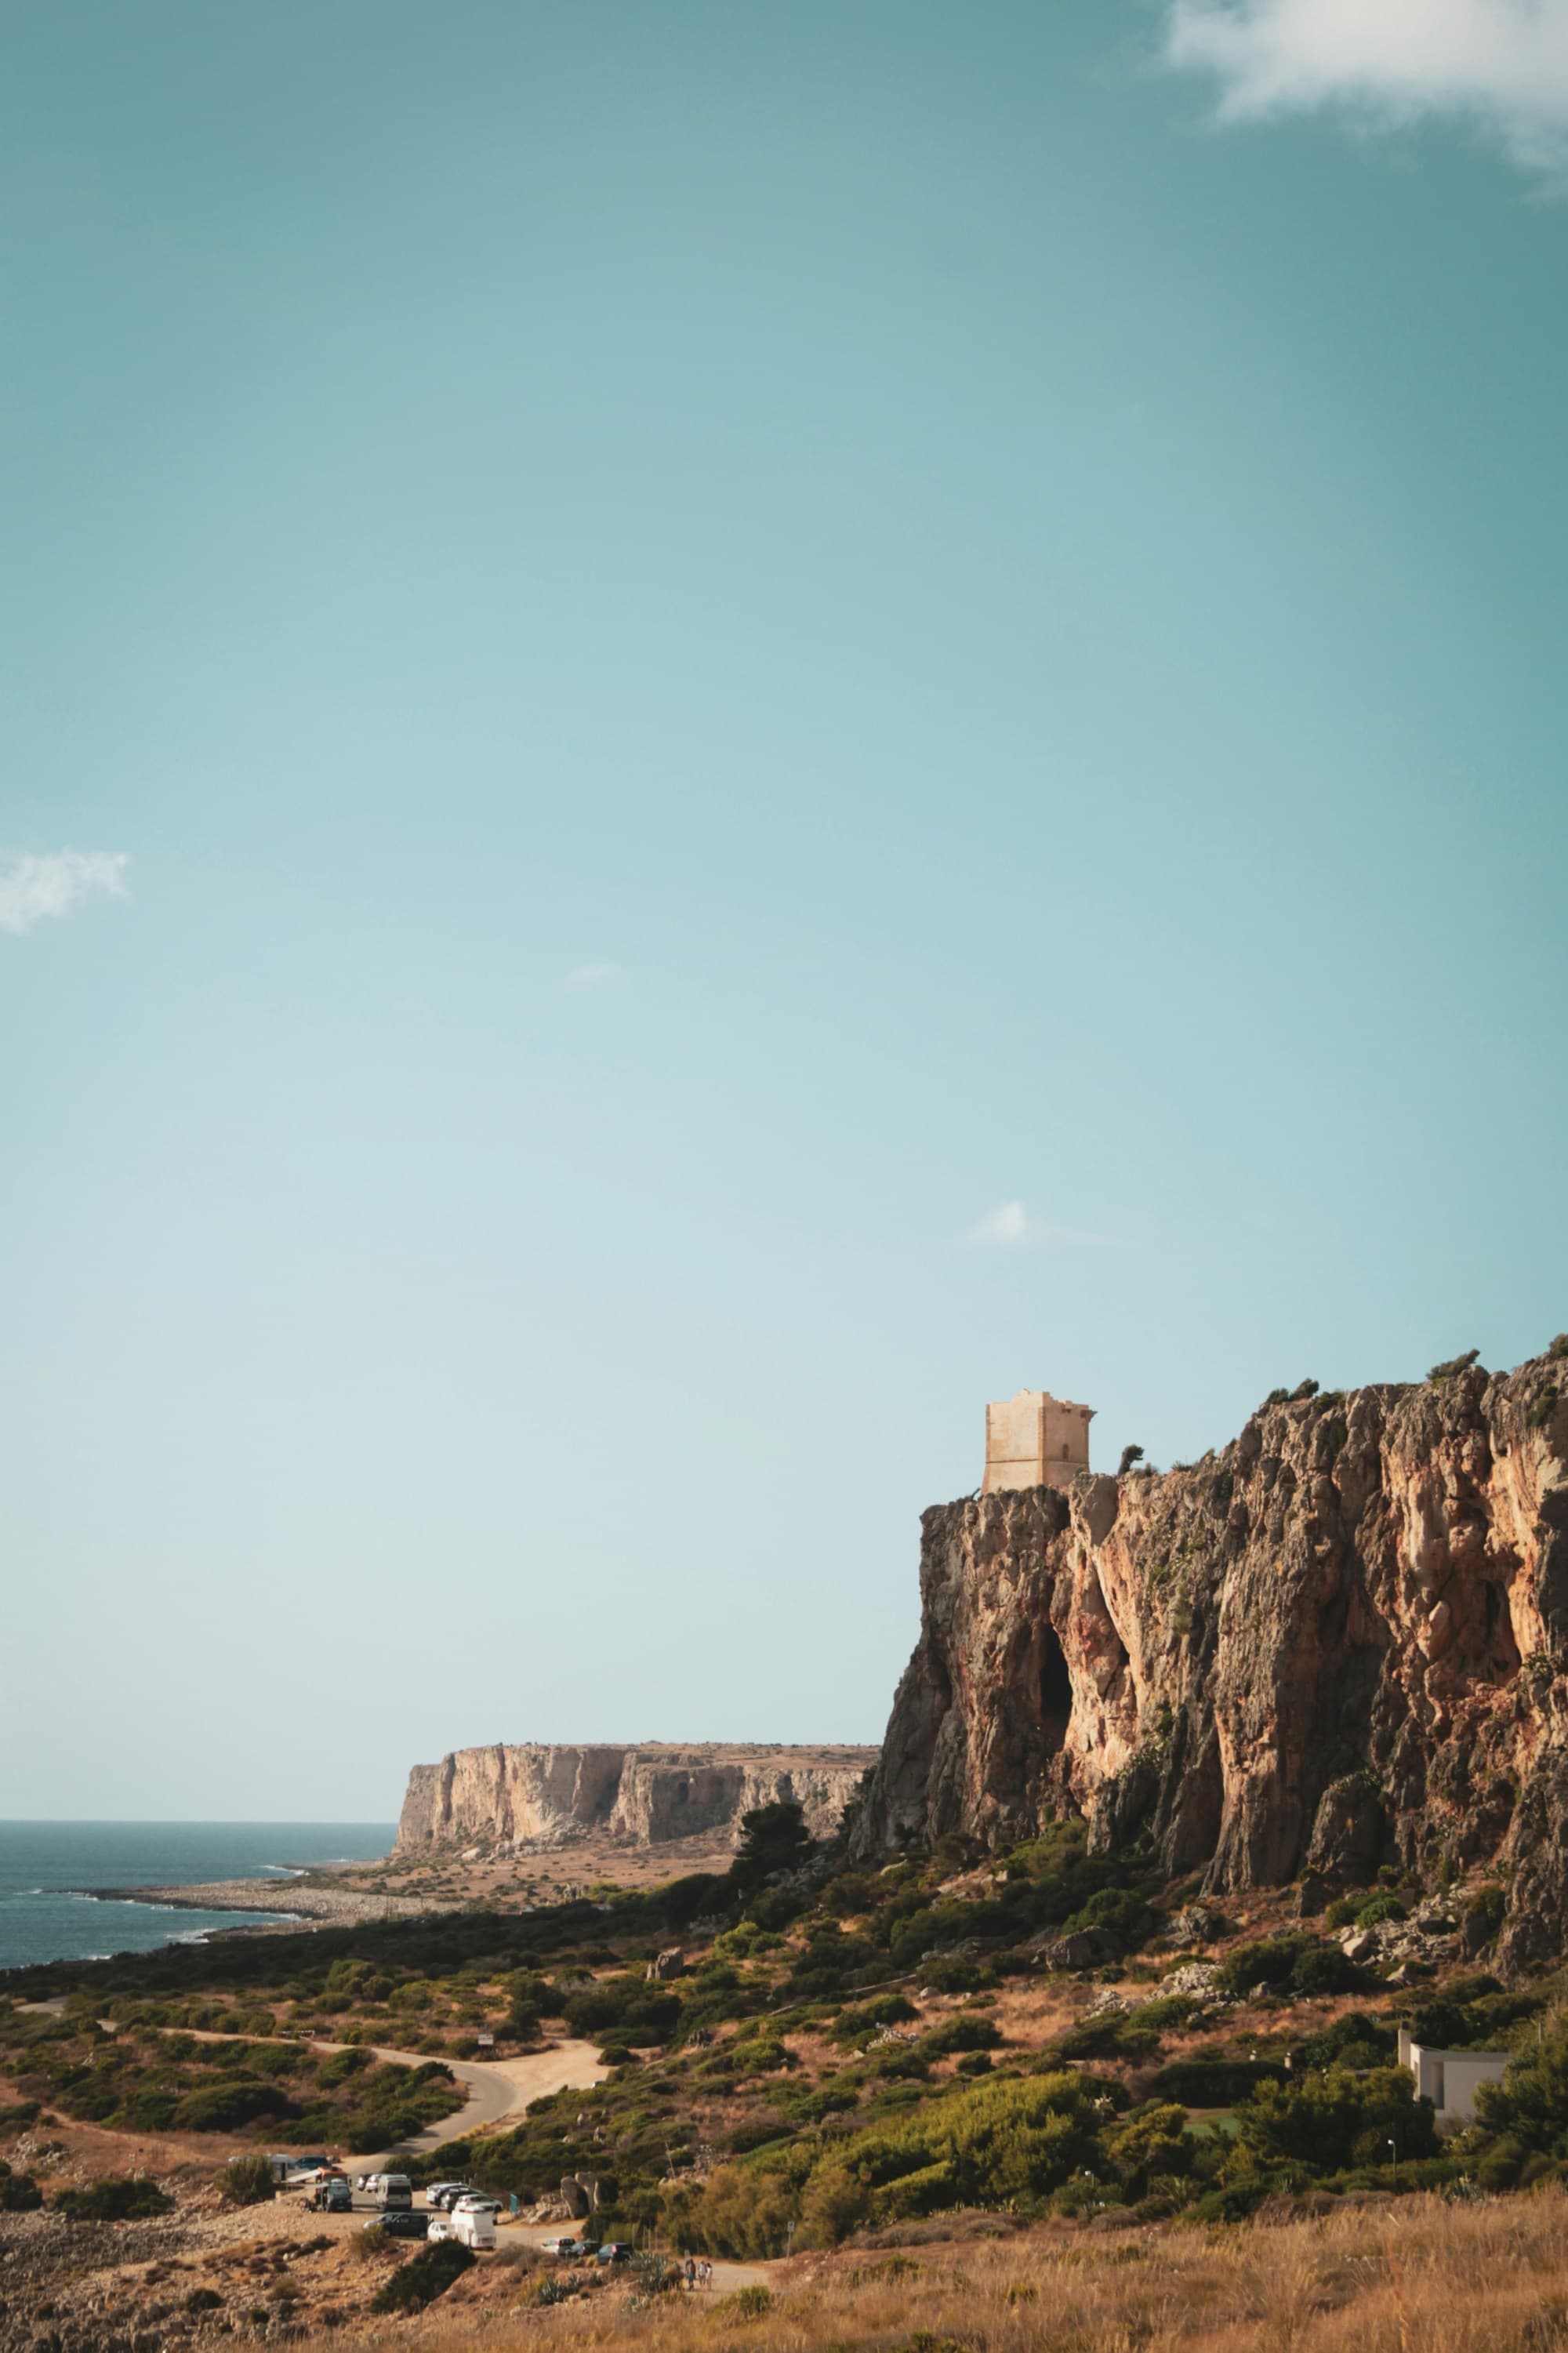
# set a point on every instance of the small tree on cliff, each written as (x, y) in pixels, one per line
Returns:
(773, 1839)
(1130, 1454)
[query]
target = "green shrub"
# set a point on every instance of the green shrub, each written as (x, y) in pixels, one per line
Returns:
(753, 2303)
(246, 2181)
(1338, 2119)
(1484, 1914)
(996, 2143)
(1152, 2142)
(866, 2017)
(1213, 2082)
(968, 2030)
(19, 2193)
(228, 2107)
(1270, 1961)
(117, 2198)
(1378, 1908)
(432, 2271)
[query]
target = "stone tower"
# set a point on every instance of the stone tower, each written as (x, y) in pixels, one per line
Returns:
(1035, 1439)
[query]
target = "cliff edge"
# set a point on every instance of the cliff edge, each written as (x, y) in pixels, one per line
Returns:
(646, 1796)
(1342, 1641)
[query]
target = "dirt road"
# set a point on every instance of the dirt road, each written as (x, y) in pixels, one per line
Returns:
(497, 2088)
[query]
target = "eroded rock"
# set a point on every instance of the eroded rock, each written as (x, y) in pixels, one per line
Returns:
(1342, 1641)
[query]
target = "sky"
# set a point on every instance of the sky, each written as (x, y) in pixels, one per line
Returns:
(722, 727)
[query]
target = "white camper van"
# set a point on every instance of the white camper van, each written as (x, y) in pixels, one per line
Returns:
(470, 2226)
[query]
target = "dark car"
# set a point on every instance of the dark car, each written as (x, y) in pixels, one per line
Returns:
(400, 2222)
(615, 2250)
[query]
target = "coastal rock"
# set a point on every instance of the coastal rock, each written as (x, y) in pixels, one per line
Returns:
(1340, 1641)
(532, 1794)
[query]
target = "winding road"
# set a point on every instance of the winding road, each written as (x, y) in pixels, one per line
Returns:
(498, 2088)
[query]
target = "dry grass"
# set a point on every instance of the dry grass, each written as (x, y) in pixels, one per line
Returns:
(1420, 2277)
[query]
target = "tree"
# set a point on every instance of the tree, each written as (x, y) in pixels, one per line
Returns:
(1130, 1455)
(773, 1839)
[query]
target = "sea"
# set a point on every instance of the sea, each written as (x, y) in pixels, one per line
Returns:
(48, 1871)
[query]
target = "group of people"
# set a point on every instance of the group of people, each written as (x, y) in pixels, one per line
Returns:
(697, 2274)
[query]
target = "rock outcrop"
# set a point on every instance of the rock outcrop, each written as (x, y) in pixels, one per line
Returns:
(531, 1794)
(1343, 1640)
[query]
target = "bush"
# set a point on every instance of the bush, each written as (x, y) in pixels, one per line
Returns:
(752, 2303)
(774, 1840)
(1215, 2083)
(1378, 1908)
(246, 2181)
(866, 2017)
(1001, 2142)
(1120, 1915)
(227, 2107)
(432, 2271)
(1271, 1961)
(19, 2193)
(1531, 2103)
(1337, 2119)
(969, 2030)
(117, 2197)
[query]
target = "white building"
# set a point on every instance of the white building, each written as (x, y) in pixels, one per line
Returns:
(1449, 2078)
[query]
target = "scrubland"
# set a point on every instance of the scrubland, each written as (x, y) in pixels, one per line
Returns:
(1422, 2276)
(1039, 2099)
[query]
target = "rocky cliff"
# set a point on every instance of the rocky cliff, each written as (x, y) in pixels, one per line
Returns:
(1342, 1641)
(646, 1796)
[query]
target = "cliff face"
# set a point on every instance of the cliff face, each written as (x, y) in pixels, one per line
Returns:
(644, 1795)
(1343, 1640)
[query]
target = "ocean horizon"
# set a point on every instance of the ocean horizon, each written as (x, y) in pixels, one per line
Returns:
(50, 1871)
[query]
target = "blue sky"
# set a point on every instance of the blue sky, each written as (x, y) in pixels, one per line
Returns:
(770, 719)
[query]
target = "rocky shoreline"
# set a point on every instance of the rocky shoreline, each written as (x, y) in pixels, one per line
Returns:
(302, 1903)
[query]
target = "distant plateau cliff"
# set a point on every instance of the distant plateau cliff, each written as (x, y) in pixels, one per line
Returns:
(532, 1794)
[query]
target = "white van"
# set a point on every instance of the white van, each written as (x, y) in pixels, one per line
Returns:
(471, 2226)
(390, 2191)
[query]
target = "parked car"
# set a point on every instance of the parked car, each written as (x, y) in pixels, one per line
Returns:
(475, 2201)
(568, 2243)
(615, 2250)
(331, 2195)
(400, 2222)
(443, 2194)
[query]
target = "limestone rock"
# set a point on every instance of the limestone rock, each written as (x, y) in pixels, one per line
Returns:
(534, 1795)
(1340, 1641)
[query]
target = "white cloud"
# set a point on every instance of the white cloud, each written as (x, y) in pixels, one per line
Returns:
(1005, 1228)
(1012, 1225)
(1504, 63)
(594, 975)
(35, 885)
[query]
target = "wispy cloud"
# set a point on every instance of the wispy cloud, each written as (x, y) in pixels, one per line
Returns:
(1004, 1229)
(1503, 63)
(35, 885)
(594, 975)
(1012, 1228)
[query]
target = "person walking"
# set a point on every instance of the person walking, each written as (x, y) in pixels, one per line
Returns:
(690, 2273)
